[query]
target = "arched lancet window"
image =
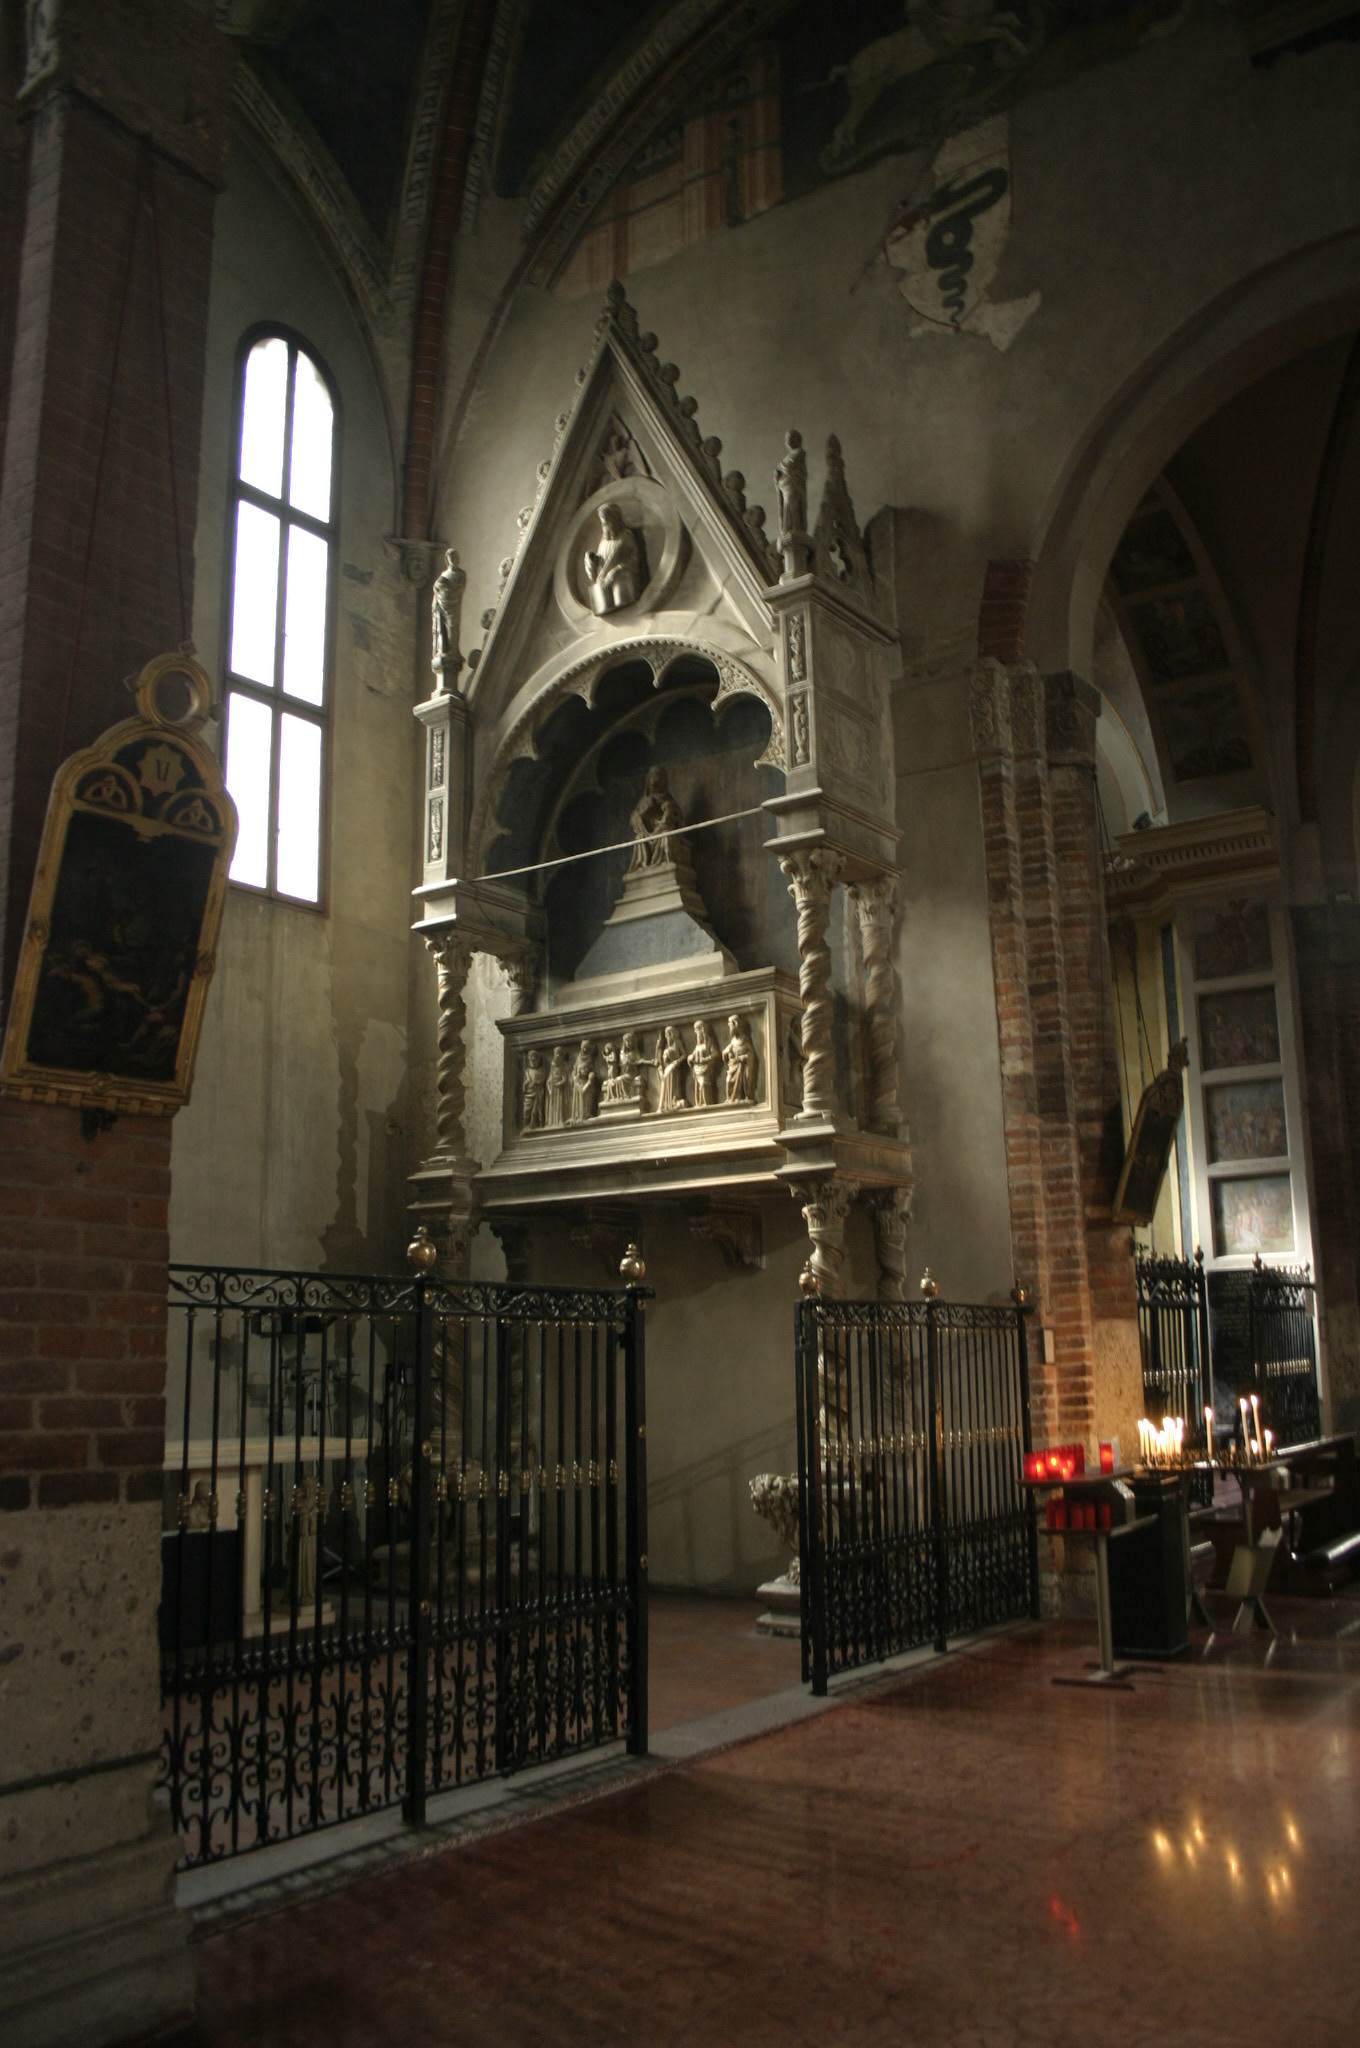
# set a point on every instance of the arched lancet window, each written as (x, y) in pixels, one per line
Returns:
(283, 536)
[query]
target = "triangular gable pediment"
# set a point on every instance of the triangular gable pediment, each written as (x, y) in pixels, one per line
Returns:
(631, 440)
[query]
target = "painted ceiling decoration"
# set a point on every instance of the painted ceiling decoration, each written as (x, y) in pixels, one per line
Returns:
(1183, 642)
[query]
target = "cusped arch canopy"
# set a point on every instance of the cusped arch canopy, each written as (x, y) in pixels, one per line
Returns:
(658, 658)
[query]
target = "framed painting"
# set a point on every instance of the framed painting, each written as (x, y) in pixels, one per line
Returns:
(125, 909)
(1245, 1120)
(1231, 938)
(1240, 1029)
(1253, 1214)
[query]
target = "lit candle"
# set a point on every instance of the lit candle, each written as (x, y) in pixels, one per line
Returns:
(1270, 1442)
(1209, 1434)
(1256, 1418)
(1246, 1432)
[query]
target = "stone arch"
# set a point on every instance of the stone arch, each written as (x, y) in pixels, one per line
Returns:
(1253, 327)
(581, 678)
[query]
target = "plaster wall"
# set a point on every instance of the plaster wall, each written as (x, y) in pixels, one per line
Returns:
(293, 1149)
(792, 317)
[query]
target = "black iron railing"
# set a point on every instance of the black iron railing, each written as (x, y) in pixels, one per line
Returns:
(912, 1423)
(1281, 1314)
(404, 1548)
(1173, 1331)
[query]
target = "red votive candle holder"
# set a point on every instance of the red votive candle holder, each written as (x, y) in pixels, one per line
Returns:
(1107, 1457)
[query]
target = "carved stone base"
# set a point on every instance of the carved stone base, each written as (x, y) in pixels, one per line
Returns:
(783, 1617)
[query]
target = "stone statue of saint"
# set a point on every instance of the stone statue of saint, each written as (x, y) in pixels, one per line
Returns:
(790, 478)
(702, 1061)
(655, 817)
(739, 1056)
(559, 1080)
(535, 1090)
(446, 609)
(583, 1084)
(670, 1059)
(614, 569)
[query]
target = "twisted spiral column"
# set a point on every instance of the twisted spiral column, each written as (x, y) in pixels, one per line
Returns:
(452, 957)
(892, 1213)
(825, 1203)
(811, 878)
(876, 907)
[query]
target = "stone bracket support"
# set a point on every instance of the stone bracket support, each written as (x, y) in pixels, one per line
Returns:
(825, 1203)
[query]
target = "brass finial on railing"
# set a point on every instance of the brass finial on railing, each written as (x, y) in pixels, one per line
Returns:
(1021, 1295)
(930, 1286)
(808, 1283)
(632, 1267)
(422, 1252)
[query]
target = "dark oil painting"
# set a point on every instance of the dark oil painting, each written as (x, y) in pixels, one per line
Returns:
(120, 958)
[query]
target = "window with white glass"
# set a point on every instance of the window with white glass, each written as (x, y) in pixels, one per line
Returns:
(282, 574)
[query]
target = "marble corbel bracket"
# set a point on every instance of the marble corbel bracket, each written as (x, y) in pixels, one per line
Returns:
(736, 1230)
(604, 1232)
(443, 1199)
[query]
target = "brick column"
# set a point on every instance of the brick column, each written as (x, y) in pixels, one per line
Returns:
(1035, 741)
(119, 125)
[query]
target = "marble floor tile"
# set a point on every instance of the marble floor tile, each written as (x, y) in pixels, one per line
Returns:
(965, 1857)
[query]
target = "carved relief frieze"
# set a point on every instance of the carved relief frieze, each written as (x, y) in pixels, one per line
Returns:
(682, 1068)
(680, 1085)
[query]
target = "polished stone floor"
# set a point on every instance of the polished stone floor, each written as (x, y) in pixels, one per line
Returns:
(964, 1856)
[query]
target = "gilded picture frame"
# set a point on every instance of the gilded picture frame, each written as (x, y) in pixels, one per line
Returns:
(125, 908)
(1149, 1148)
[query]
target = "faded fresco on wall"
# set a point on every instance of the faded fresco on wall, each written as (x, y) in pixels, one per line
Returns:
(1152, 551)
(1205, 732)
(949, 246)
(825, 92)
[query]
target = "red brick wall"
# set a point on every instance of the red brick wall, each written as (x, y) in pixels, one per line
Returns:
(89, 587)
(96, 577)
(83, 1224)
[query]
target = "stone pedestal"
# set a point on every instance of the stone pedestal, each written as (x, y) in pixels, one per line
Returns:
(783, 1617)
(657, 936)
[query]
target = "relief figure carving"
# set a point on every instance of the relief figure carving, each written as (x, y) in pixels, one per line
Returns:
(584, 1082)
(739, 1057)
(702, 1061)
(614, 568)
(533, 1098)
(559, 1082)
(631, 1064)
(671, 1062)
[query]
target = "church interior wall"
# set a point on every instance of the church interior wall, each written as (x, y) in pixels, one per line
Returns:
(293, 1149)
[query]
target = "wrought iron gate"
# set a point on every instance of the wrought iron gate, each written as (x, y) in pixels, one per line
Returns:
(404, 1548)
(1283, 1337)
(913, 1419)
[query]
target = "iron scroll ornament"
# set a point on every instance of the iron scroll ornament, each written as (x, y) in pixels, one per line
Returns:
(125, 909)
